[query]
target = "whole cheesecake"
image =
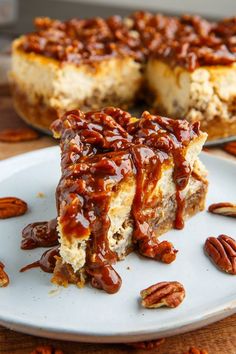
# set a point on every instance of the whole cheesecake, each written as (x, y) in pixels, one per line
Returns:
(182, 67)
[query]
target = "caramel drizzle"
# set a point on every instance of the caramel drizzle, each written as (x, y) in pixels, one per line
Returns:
(47, 261)
(100, 149)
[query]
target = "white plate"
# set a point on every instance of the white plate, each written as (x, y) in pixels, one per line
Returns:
(31, 304)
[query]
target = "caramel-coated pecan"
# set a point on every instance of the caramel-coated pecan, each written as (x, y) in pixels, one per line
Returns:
(169, 294)
(224, 208)
(231, 148)
(222, 251)
(147, 345)
(12, 206)
(46, 349)
(4, 279)
(194, 350)
(18, 135)
(162, 251)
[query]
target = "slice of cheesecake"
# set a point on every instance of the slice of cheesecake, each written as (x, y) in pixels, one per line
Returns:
(125, 181)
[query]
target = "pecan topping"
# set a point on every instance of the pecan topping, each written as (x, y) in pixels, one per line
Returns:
(194, 350)
(4, 279)
(17, 135)
(169, 294)
(222, 251)
(226, 209)
(163, 251)
(46, 349)
(12, 206)
(147, 345)
(231, 148)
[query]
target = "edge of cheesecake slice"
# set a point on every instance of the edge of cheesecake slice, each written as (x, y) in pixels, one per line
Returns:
(125, 181)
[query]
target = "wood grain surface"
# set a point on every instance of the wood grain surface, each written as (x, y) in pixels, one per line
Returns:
(218, 338)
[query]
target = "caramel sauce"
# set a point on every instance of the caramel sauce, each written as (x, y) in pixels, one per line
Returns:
(47, 261)
(106, 278)
(188, 41)
(100, 149)
(40, 234)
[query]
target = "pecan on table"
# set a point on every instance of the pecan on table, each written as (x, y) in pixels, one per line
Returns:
(147, 345)
(11, 207)
(222, 251)
(18, 135)
(224, 208)
(194, 350)
(169, 294)
(4, 279)
(230, 148)
(46, 349)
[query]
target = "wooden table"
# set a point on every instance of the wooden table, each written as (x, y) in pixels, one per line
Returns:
(218, 338)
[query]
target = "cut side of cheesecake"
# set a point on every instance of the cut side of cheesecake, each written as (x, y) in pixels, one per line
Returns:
(207, 95)
(125, 181)
(193, 74)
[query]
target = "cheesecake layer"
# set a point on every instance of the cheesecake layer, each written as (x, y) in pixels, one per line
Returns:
(47, 85)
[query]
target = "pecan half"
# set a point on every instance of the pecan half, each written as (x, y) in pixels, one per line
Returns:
(231, 148)
(12, 206)
(18, 135)
(194, 350)
(4, 279)
(46, 349)
(169, 294)
(147, 345)
(224, 208)
(222, 251)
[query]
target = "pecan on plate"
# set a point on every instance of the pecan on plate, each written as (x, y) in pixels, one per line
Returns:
(12, 206)
(222, 251)
(230, 148)
(224, 208)
(46, 349)
(169, 294)
(147, 345)
(18, 135)
(194, 350)
(4, 279)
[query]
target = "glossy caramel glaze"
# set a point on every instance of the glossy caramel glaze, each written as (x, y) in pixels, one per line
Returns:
(99, 150)
(47, 261)
(189, 41)
(40, 234)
